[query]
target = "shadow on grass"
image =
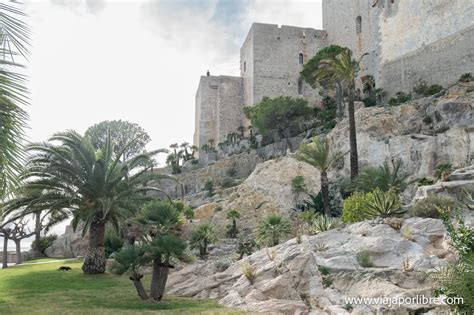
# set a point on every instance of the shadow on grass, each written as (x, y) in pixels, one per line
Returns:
(44, 287)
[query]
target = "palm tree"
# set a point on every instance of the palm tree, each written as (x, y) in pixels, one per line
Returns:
(318, 155)
(202, 237)
(241, 129)
(272, 228)
(94, 188)
(194, 149)
(174, 146)
(233, 215)
(185, 146)
(344, 69)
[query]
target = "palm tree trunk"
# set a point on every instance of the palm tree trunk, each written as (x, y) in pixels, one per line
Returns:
(137, 282)
(354, 158)
(161, 286)
(339, 101)
(5, 250)
(19, 258)
(37, 251)
(95, 262)
(155, 278)
(325, 193)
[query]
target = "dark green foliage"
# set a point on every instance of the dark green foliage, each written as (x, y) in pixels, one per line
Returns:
(313, 204)
(121, 133)
(272, 229)
(113, 242)
(209, 187)
(400, 98)
(462, 236)
(384, 177)
(279, 114)
(425, 181)
(229, 182)
(466, 77)
(158, 217)
(428, 120)
(324, 270)
(201, 238)
(432, 206)
(457, 281)
(297, 184)
(307, 74)
(129, 259)
(45, 242)
(422, 88)
(443, 169)
(327, 282)
(232, 171)
(246, 247)
(326, 116)
(232, 229)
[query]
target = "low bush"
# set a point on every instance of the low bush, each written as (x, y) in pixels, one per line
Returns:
(400, 98)
(466, 77)
(422, 88)
(209, 187)
(443, 170)
(297, 184)
(353, 208)
(223, 263)
(425, 181)
(432, 206)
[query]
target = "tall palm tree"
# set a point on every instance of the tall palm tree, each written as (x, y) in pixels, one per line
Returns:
(94, 188)
(318, 155)
(14, 45)
(232, 230)
(342, 68)
(202, 237)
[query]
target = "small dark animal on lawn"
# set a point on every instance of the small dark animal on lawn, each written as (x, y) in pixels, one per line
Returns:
(64, 268)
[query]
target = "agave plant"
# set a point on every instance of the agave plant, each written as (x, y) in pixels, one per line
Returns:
(469, 199)
(384, 204)
(323, 223)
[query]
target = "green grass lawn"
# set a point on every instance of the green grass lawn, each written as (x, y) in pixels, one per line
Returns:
(42, 289)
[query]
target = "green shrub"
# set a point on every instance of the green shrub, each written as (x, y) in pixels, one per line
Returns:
(223, 263)
(353, 208)
(428, 120)
(209, 187)
(422, 88)
(462, 236)
(383, 204)
(113, 242)
(229, 182)
(232, 171)
(45, 242)
(364, 260)
(466, 77)
(272, 229)
(457, 281)
(443, 169)
(297, 184)
(425, 181)
(399, 98)
(432, 206)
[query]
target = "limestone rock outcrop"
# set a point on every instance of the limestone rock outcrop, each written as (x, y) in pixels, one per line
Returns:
(319, 274)
(69, 245)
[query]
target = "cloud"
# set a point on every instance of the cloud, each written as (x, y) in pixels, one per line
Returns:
(90, 6)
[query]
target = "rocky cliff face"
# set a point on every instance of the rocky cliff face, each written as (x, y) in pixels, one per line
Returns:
(423, 133)
(320, 273)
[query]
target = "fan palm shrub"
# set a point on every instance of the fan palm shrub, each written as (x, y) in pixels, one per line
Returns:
(343, 68)
(92, 187)
(232, 229)
(202, 237)
(272, 229)
(318, 155)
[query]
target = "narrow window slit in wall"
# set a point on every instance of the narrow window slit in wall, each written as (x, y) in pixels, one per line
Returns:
(301, 58)
(359, 24)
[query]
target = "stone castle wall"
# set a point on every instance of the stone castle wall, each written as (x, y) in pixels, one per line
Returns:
(272, 58)
(406, 40)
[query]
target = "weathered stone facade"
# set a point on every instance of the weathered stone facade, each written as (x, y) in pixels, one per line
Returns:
(271, 59)
(406, 41)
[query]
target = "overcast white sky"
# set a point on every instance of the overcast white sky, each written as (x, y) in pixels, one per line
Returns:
(138, 60)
